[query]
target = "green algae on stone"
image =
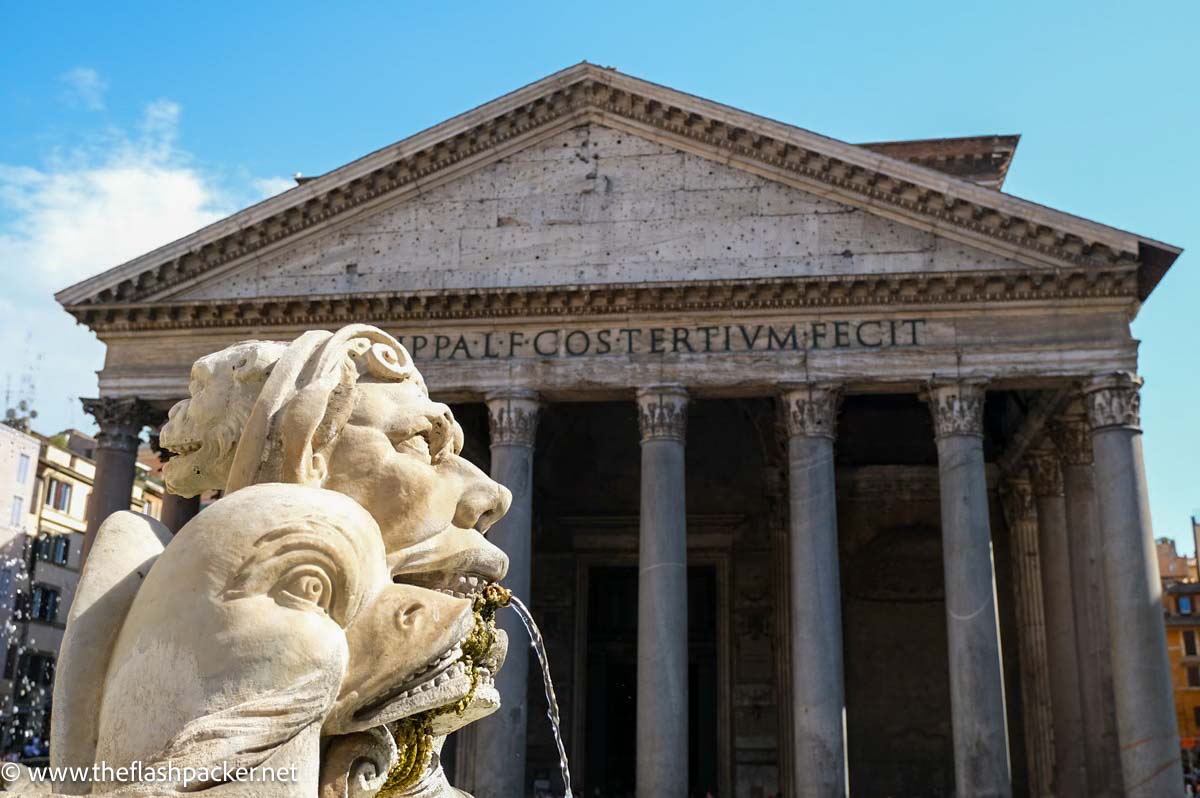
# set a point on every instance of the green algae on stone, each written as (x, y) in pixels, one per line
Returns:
(414, 734)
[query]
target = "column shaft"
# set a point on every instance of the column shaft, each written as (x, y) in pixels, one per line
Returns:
(120, 422)
(1021, 517)
(1146, 723)
(177, 510)
(1070, 777)
(981, 763)
(1101, 750)
(500, 739)
(662, 652)
(818, 695)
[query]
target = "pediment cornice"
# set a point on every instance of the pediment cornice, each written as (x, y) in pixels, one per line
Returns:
(1115, 283)
(854, 175)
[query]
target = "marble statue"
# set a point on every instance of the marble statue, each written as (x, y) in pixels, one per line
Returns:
(223, 388)
(331, 613)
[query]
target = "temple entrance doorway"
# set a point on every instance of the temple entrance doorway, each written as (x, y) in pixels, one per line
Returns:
(611, 678)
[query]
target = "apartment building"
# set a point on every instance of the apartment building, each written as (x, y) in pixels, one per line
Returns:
(45, 557)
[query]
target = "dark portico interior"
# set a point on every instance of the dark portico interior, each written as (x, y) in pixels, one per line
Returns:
(584, 592)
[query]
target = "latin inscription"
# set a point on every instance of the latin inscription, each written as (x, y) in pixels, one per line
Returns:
(714, 339)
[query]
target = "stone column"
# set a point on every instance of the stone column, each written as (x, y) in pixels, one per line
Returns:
(1149, 739)
(662, 651)
(1070, 777)
(121, 421)
(177, 510)
(818, 695)
(1101, 750)
(981, 766)
(1021, 516)
(499, 740)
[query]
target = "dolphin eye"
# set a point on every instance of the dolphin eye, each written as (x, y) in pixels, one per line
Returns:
(306, 587)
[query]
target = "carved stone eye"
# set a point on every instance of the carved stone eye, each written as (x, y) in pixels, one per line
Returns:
(409, 615)
(418, 443)
(305, 588)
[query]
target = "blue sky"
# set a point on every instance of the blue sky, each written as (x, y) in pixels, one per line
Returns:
(123, 126)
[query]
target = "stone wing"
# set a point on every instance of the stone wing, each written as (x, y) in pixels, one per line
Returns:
(125, 547)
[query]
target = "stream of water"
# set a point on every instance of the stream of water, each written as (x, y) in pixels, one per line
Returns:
(535, 640)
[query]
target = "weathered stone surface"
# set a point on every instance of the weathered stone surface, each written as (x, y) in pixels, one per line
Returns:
(497, 764)
(120, 422)
(277, 602)
(981, 759)
(1036, 347)
(202, 432)
(551, 214)
(818, 693)
(1063, 662)
(662, 665)
(1149, 737)
(1020, 515)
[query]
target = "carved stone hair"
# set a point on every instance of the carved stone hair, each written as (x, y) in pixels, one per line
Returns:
(309, 397)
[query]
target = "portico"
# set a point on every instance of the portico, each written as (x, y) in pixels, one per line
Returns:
(760, 397)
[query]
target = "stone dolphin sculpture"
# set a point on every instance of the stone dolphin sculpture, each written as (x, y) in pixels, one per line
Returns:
(269, 622)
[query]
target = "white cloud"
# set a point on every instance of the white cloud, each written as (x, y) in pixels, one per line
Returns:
(270, 186)
(102, 205)
(113, 197)
(85, 87)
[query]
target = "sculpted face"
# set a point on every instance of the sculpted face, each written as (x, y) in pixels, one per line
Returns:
(293, 628)
(349, 412)
(398, 456)
(397, 453)
(203, 430)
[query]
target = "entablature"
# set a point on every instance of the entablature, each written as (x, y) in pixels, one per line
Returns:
(814, 292)
(731, 350)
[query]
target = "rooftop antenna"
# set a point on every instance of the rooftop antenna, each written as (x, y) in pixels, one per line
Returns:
(18, 406)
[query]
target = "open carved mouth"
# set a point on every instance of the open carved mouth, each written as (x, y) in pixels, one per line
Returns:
(439, 672)
(180, 448)
(459, 685)
(454, 584)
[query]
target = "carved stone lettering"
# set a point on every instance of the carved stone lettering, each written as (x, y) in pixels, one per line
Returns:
(665, 341)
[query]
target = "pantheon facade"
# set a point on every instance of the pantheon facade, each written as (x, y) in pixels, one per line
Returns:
(826, 457)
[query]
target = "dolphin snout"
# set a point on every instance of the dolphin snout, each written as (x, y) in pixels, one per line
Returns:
(402, 640)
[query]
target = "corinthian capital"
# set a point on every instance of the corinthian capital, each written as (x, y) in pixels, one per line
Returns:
(957, 407)
(1016, 500)
(1114, 400)
(1072, 436)
(120, 420)
(811, 410)
(513, 417)
(1045, 472)
(662, 412)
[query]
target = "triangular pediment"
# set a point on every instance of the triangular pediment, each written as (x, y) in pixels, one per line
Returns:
(435, 200)
(594, 205)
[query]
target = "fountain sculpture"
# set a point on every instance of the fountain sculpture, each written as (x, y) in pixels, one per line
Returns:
(330, 616)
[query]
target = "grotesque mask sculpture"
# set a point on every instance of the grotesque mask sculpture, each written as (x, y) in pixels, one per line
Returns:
(271, 636)
(203, 430)
(346, 411)
(349, 545)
